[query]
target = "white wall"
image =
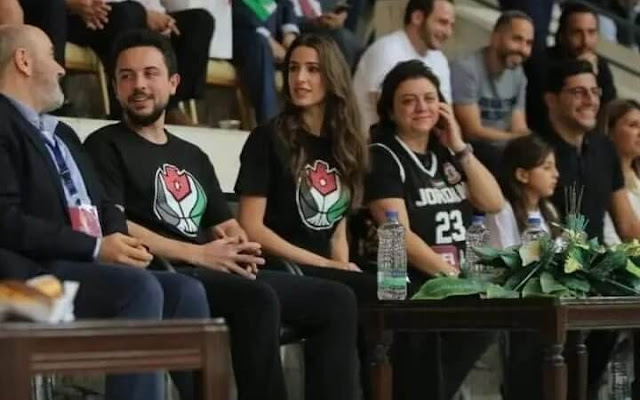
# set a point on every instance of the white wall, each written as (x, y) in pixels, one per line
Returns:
(222, 146)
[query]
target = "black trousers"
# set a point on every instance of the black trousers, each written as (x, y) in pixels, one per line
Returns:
(191, 46)
(323, 312)
(364, 285)
(51, 17)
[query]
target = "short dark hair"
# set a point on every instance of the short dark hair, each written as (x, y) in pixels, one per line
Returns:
(568, 9)
(560, 71)
(412, 69)
(426, 6)
(144, 38)
(506, 17)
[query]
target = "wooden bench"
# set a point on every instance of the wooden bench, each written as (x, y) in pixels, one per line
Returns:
(114, 346)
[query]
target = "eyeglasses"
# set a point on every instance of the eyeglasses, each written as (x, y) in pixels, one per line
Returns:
(581, 92)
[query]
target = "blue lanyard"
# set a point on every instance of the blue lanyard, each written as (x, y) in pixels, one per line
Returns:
(63, 168)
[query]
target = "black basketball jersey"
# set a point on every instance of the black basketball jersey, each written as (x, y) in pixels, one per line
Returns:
(433, 187)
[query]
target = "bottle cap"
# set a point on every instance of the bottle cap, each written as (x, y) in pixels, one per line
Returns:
(391, 215)
(477, 219)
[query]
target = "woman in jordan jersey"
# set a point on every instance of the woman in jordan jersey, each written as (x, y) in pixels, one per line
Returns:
(423, 169)
(301, 173)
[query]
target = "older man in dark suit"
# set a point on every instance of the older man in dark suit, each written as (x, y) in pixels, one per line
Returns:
(52, 210)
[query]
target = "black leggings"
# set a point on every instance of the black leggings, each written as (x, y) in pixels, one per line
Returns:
(323, 312)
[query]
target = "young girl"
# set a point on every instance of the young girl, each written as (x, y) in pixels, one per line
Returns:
(622, 124)
(529, 176)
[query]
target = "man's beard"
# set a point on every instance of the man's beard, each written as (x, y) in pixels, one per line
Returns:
(505, 59)
(147, 119)
(56, 100)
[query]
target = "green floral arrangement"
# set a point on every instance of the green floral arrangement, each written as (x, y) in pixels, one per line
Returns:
(569, 266)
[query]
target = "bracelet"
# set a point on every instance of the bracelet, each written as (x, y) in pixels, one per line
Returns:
(462, 154)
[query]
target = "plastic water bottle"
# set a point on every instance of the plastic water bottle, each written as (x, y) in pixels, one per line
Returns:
(534, 229)
(477, 236)
(392, 259)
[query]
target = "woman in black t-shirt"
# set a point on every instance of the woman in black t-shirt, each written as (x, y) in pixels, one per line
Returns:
(421, 168)
(302, 173)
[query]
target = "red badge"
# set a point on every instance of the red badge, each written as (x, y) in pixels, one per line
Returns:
(449, 253)
(84, 218)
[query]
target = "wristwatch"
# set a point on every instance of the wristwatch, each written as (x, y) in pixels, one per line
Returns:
(460, 155)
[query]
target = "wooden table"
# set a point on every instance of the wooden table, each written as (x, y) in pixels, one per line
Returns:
(114, 347)
(552, 318)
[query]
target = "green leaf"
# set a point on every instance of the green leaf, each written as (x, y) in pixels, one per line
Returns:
(511, 260)
(498, 292)
(440, 288)
(532, 288)
(633, 268)
(531, 252)
(549, 285)
(575, 283)
(611, 261)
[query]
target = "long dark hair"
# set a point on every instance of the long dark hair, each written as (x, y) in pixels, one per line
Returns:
(342, 121)
(526, 152)
(413, 69)
(615, 110)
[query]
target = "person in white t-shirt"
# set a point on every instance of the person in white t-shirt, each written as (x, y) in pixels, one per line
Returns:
(428, 24)
(529, 178)
(622, 124)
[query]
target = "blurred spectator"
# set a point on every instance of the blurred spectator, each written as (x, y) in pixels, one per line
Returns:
(97, 23)
(50, 16)
(489, 88)
(428, 24)
(576, 38)
(628, 27)
(540, 13)
(327, 17)
(262, 33)
(621, 123)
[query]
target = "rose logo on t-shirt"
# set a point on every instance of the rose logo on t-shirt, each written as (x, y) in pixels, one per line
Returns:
(180, 200)
(321, 199)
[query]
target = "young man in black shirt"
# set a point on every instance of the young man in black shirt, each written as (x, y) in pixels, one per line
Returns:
(170, 194)
(587, 163)
(576, 39)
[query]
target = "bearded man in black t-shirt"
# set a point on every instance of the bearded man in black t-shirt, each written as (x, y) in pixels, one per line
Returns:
(169, 192)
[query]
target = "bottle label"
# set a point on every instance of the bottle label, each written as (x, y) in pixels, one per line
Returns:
(394, 278)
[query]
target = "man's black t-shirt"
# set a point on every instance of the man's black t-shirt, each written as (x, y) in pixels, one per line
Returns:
(434, 190)
(170, 189)
(304, 211)
(595, 170)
